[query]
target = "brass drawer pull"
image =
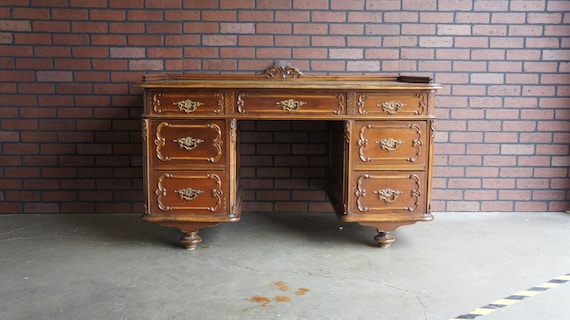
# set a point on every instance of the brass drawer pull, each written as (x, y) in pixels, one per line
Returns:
(188, 143)
(188, 194)
(290, 104)
(390, 144)
(388, 195)
(391, 107)
(188, 105)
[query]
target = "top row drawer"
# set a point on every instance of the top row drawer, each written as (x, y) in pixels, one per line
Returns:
(208, 103)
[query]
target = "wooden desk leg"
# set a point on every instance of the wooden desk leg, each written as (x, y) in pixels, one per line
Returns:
(190, 239)
(385, 236)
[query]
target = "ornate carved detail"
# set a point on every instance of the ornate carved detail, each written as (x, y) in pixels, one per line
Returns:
(416, 193)
(233, 130)
(361, 193)
(416, 143)
(422, 103)
(160, 142)
(241, 102)
(156, 102)
(363, 143)
(188, 194)
(341, 103)
(360, 103)
(388, 195)
(391, 107)
(389, 144)
(188, 105)
(188, 143)
(347, 131)
(220, 103)
(283, 70)
(290, 104)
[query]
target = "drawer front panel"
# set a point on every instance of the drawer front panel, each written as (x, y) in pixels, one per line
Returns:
(391, 143)
(389, 192)
(286, 104)
(198, 142)
(187, 103)
(188, 192)
(380, 105)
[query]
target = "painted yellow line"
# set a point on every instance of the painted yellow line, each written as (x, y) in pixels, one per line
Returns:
(514, 298)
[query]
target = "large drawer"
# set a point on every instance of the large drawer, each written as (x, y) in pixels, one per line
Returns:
(285, 103)
(187, 143)
(390, 145)
(391, 105)
(194, 103)
(188, 193)
(389, 192)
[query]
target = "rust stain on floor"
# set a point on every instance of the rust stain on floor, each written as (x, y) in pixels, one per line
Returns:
(265, 301)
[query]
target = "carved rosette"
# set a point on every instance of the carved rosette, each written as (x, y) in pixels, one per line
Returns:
(290, 104)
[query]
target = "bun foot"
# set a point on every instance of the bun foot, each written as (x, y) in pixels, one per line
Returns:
(191, 240)
(384, 238)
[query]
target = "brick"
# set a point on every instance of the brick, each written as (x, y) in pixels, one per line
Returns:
(314, 4)
(346, 29)
(274, 4)
(310, 28)
(15, 25)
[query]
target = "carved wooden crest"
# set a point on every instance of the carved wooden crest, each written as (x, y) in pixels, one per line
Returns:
(282, 70)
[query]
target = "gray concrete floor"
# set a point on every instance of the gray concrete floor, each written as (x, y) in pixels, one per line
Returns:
(281, 266)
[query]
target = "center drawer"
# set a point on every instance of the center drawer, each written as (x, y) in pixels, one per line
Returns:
(272, 103)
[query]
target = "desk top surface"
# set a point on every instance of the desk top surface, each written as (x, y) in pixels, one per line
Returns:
(280, 77)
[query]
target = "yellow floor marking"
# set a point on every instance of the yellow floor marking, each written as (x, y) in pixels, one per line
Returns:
(514, 298)
(527, 293)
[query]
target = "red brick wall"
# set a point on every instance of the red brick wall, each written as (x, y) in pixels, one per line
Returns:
(69, 117)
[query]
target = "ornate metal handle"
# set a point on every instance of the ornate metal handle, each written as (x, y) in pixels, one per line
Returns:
(188, 143)
(188, 194)
(391, 107)
(188, 105)
(390, 144)
(290, 104)
(388, 195)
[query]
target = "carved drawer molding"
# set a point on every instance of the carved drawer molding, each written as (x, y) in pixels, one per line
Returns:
(188, 142)
(190, 192)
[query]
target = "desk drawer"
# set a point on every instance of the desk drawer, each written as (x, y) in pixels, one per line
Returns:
(391, 144)
(190, 143)
(389, 192)
(188, 193)
(186, 103)
(272, 103)
(386, 105)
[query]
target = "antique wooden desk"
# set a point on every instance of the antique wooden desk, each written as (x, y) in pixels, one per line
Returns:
(381, 144)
